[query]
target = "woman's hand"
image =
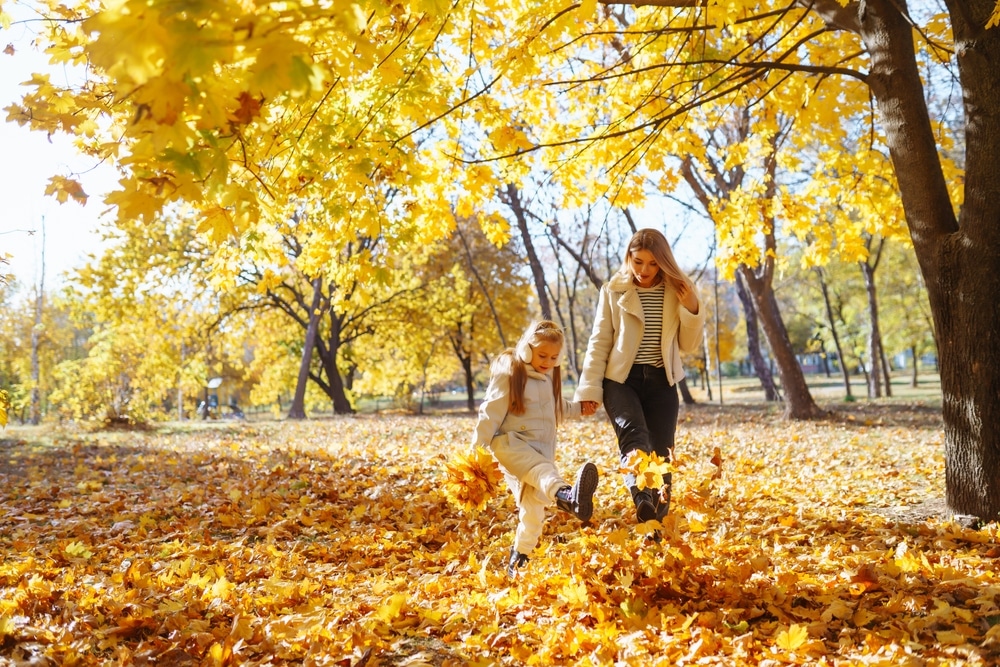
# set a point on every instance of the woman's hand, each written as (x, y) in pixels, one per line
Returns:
(588, 408)
(688, 298)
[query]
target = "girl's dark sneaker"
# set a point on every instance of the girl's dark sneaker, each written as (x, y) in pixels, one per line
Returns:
(578, 499)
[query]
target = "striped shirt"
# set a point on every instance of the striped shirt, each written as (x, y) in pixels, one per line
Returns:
(650, 350)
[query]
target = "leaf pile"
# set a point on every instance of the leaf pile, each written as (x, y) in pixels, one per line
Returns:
(474, 478)
(332, 543)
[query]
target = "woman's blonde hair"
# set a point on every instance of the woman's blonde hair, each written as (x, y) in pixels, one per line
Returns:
(658, 246)
(514, 361)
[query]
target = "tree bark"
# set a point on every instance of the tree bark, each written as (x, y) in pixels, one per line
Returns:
(760, 367)
(328, 351)
(685, 392)
(874, 336)
(959, 258)
(513, 200)
(36, 336)
(799, 403)
(297, 409)
(833, 332)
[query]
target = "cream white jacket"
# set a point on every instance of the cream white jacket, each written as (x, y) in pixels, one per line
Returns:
(618, 325)
(538, 423)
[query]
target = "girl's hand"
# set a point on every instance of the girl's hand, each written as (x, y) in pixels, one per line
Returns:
(588, 408)
(687, 298)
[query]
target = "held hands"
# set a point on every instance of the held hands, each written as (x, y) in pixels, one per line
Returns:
(588, 408)
(687, 298)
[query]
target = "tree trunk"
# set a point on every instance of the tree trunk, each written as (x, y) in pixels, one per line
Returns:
(833, 332)
(959, 259)
(760, 367)
(470, 386)
(36, 335)
(706, 378)
(879, 370)
(886, 371)
(874, 341)
(685, 392)
(914, 382)
(799, 403)
(298, 409)
(513, 200)
(334, 386)
(470, 262)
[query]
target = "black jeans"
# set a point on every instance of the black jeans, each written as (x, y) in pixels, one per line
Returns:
(643, 411)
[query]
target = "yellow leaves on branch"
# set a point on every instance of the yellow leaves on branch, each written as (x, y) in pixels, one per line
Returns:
(473, 479)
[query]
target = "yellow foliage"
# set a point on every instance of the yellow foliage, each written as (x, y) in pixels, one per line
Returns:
(4, 407)
(356, 554)
(473, 479)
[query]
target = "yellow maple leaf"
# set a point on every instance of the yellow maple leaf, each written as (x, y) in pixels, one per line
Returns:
(78, 550)
(391, 608)
(575, 594)
(63, 188)
(792, 638)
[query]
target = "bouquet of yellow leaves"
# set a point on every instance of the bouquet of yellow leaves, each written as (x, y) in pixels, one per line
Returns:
(473, 479)
(647, 468)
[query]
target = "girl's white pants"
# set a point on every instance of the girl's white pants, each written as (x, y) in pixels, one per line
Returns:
(530, 471)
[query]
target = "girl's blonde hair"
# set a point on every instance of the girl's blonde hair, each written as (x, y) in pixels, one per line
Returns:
(514, 361)
(657, 245)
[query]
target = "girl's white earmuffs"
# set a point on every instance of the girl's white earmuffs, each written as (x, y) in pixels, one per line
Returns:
(524, 353)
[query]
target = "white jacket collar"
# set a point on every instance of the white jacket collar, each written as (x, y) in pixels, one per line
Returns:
(620, 282)
(532, 373)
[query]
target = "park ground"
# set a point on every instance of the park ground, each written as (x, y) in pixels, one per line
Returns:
(331, 542)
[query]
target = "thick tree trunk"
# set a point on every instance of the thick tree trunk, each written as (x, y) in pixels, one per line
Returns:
(753, 342)
(685, 392)
(298, 409)
(799, 403)
(960, 259)
(328, 352)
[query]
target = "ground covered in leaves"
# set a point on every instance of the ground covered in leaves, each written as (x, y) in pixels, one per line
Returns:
(330, 543)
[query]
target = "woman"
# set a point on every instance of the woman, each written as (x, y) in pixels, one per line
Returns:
(647, 314)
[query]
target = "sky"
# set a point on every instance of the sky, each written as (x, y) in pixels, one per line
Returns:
(27, 160)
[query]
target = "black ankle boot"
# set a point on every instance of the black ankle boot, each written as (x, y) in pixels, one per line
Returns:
(517, 561)
(645, 506)
(578, 500)
(663, 501)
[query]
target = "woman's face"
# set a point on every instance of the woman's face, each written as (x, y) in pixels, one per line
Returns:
(545, 356)
(645, 270)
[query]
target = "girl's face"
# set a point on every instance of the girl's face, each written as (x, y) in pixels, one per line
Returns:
(645, 270)
(545, 356)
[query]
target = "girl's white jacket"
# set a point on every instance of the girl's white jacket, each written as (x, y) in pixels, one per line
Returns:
(537, 426)
(614, 340)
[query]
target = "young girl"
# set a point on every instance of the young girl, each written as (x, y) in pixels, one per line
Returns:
(647, 314)
(517, 421)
